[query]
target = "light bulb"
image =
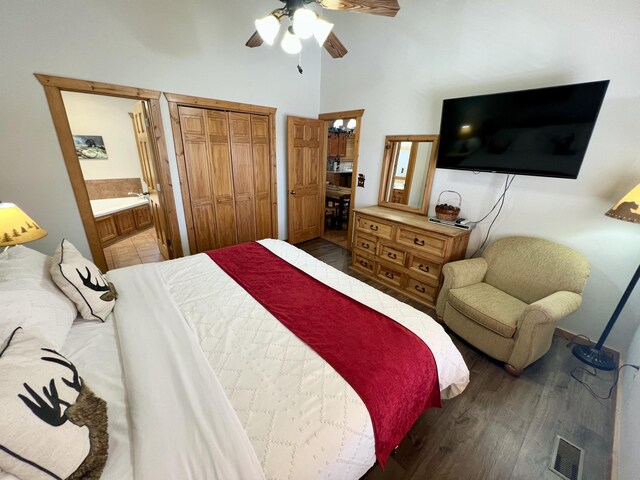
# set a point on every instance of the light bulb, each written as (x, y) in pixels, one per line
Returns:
(338, 123)
(290, 42)
(304, 22)
(268, 27)
(351, 124)
(322, 31)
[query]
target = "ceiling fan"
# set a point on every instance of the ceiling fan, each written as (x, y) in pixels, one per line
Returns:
(305, 23)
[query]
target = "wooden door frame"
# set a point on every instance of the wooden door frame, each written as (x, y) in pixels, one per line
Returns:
(53, 88)
(328, 119)
(176, 100)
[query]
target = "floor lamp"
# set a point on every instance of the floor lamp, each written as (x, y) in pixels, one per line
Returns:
(627, 209)
(16, 227)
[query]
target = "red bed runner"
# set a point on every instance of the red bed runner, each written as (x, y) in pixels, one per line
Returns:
(390, 368)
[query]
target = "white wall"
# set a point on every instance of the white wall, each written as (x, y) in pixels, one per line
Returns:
(109, 118)
(399, 70)
(193, 47)
(629, 464)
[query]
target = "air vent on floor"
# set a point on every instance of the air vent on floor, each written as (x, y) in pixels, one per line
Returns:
(566, 459)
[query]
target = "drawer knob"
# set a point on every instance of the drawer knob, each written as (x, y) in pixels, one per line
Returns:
(364, 264)
(364, 245)
(417, 241)
(391, 255)
(420, 288)
(388, 275)
(373, 227)
(424, 268)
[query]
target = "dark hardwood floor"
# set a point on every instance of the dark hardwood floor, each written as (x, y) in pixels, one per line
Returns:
(500, 427)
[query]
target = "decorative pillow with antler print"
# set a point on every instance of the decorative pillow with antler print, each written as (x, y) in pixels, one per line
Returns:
(82, 282)
(51, 424)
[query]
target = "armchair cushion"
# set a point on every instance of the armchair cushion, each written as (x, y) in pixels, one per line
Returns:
(489, 307)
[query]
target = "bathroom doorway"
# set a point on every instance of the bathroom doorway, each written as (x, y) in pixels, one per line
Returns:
(114, 149)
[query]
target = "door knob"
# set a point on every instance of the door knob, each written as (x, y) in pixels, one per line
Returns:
(292, 192)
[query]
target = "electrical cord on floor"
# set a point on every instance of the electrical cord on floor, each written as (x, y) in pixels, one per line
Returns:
(501, 200)
(595, 373)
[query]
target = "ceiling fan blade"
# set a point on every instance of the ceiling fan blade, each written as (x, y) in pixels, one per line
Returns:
(388, 8)
(334, 46)
(255, 40)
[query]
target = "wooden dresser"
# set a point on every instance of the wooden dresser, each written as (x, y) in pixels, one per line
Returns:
(404, 251)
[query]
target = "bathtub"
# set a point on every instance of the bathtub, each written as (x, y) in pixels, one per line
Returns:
(108, 206)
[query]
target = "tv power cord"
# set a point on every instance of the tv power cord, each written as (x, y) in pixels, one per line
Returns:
(501, 199)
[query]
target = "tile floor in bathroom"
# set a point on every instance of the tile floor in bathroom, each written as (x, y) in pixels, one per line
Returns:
(133, 250)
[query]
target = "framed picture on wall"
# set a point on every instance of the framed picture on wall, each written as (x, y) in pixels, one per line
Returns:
(90, 147)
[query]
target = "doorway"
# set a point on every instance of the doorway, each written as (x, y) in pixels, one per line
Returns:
(110, 136)
(342, 132)
(140, 176)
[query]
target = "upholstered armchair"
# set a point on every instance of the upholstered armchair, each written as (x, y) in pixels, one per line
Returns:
(507, 302)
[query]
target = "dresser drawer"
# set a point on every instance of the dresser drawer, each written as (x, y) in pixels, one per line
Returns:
(392, 255)
(421, 289)
(389, 275)
(373, 227)
(427, 242)
(429, 269)
(363, 263)
(366, 242)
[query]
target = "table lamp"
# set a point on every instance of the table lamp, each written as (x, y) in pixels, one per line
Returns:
(17, 227)
(627, 209)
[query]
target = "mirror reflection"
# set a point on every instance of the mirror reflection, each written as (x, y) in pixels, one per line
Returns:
(409, 164)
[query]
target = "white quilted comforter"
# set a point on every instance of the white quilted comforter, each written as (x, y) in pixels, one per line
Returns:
(302, 419)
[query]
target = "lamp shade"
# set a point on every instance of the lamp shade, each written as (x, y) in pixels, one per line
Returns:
(322, 30)
(17, 227)
(304, 23)
(628, 208)
(290, 42)
(268, 28)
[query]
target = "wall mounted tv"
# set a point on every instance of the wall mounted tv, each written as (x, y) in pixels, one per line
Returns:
(542, 132)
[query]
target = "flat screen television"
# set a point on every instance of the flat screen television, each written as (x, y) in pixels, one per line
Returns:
(542, 132)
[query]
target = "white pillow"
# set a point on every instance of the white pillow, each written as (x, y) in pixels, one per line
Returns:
(51, 424)
(29, 298)
(82, 282)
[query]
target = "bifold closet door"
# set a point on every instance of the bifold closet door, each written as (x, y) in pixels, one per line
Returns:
(242, 160)
(262, 175)
(205, 137)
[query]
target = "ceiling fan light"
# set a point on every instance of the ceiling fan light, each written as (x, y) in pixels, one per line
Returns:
(351, 124)
(322, 30)
(290, 42)
(304, 22)
(268, 28)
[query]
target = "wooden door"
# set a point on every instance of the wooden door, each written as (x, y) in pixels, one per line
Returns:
(342, 145)
(262, 175)
(148, 161)
(205, 138)
(332, 145)
(243, 175)
(305, 164)
(217, 126)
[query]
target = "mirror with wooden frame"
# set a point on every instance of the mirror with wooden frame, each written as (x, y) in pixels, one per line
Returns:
(407, 172)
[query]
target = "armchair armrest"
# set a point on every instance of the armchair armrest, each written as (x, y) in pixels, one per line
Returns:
(459, 274)
(551, 309)
(537, 324)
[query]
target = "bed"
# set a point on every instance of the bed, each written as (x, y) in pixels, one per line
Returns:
(187, 349)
